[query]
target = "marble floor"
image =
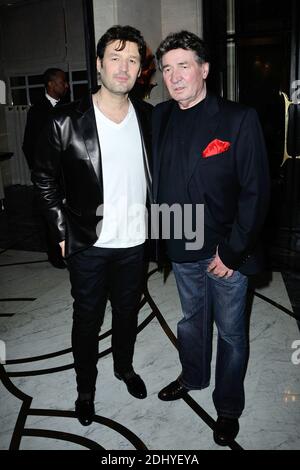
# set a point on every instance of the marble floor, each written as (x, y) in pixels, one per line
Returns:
(37, 384)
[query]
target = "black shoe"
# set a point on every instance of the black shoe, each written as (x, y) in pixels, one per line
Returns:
(57, 263)
(226, 430)
(173, 391)
(85, 411)
(135, 385)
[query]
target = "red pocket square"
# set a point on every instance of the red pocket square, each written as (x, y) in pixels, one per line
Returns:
(214, 147)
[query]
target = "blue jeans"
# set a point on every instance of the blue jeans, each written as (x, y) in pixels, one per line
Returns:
(205, 298)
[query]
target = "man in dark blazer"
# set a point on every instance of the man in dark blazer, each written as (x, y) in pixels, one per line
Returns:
(209, 151)
(56, 86)
(101, 146)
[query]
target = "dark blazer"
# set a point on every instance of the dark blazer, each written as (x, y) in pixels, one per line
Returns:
(233, 185)
(69, 146)
(37, 117)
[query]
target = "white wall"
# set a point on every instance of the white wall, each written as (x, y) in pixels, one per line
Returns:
(105, 15)
(178, 14)
(144, 15)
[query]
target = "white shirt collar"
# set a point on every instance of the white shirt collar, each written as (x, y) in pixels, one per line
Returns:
(53, 101)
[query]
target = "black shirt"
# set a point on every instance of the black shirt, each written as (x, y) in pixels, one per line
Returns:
(177, 161)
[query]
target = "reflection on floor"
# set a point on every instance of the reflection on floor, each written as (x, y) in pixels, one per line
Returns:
(37, 386)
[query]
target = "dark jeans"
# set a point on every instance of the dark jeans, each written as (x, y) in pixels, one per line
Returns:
(97, 274)
(206, 298)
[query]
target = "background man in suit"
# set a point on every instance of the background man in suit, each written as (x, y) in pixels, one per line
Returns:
(101, 146)
(56, 86)
(210, 151)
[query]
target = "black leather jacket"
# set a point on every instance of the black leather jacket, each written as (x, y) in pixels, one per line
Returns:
(68, 161)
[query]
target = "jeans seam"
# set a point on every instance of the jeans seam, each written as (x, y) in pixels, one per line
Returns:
(204, 359)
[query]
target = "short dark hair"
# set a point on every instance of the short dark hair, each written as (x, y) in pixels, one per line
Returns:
(183, 40)
(123, 34)
(50, 74)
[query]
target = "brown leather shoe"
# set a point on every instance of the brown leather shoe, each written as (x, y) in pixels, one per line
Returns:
(226, 430)
(173, 391)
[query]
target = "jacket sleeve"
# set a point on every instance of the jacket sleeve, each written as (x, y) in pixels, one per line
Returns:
(47, 178)
(253, 201)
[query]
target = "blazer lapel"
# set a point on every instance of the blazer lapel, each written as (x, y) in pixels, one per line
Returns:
(88, 128)
(207, 129)
(161, 142)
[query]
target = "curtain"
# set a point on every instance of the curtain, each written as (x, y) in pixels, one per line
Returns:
(15, 124)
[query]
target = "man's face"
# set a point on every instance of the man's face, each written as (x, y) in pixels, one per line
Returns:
(184, 77)
(58, 87)
(119, 69)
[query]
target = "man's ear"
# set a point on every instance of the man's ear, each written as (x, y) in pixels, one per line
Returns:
(50, 85)
(98, 64)
(205, 68)
(140, 71)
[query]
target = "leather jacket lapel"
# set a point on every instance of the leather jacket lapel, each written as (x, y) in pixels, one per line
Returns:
(145, 135)
(88, 128)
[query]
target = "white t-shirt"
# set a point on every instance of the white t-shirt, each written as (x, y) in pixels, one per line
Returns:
(124, 182)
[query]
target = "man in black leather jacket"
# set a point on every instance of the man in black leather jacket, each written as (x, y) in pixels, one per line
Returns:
(56, 87)
(101, 146)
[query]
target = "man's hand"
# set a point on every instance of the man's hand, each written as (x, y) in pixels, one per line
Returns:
(62, 247)
(218, 268)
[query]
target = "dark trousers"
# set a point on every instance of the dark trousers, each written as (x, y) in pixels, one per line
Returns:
(97, 274)
(49, 244)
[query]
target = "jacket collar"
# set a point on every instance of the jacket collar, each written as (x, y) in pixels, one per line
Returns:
(88, 129)
(143, 122)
